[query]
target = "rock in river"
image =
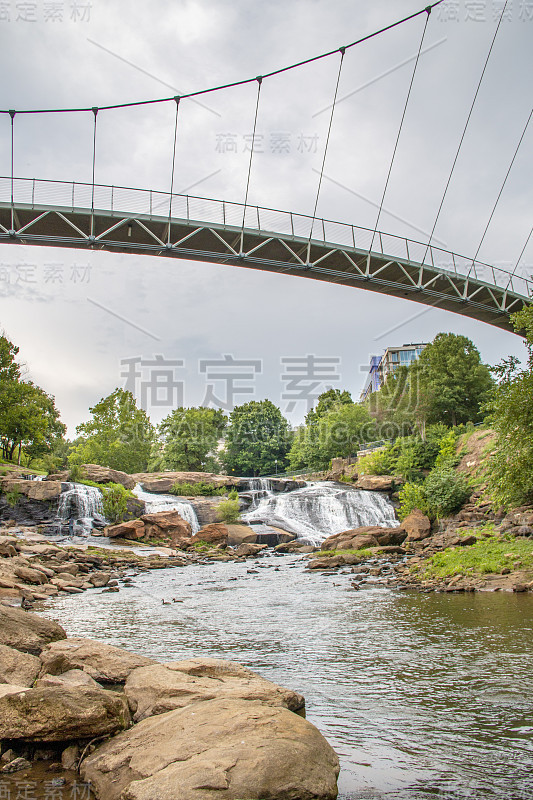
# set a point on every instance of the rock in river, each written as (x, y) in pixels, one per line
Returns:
(218, 749)
(165, 687)
(103, 662)
(59, 713)
(27, 632)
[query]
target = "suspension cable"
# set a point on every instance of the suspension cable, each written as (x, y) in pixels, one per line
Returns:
(12, 115)
(95, 113)
(502, 188)
(428, 10)
(464, 132)
(342, 51)
(259, 80)
(235, 83)
(520, 256)
(177, 99)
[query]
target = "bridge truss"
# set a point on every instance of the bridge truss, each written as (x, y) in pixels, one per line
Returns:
(124, 220)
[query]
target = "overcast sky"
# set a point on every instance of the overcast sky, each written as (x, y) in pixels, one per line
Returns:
(76, 315)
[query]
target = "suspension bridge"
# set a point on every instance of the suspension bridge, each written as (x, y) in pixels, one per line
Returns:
(120, 219)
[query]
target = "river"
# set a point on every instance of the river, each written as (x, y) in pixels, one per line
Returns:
(421, 695)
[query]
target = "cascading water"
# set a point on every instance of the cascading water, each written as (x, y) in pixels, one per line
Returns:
(320, 509)
(167, 502)
(78, 507)
(258, 488)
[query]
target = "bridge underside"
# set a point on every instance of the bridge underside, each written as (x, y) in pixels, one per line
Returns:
(258, 249)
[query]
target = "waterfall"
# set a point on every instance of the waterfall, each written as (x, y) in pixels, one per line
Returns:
(321, 509)
(155, 503)
(78, 506)
(257, 489)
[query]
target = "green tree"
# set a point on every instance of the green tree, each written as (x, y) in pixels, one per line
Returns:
(339, 433)
(189, 439)
(451, 381)
(119, 435)
(258, 438)
(326, 402)
(29, 419)
(397, 407)
(510, 410)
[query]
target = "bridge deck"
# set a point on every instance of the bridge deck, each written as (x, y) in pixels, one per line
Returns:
(275, 241)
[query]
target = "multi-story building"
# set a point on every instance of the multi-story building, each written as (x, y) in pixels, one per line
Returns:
(382, 366)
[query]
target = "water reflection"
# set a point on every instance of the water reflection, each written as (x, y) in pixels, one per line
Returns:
(421, 695)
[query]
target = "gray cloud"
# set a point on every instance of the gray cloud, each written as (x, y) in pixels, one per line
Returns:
(201, 310)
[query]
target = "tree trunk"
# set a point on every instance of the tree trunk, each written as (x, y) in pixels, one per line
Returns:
(20, 448)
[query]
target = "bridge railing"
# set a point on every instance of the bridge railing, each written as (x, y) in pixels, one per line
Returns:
(121, 200)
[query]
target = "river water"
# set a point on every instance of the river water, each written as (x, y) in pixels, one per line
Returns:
(421, 695)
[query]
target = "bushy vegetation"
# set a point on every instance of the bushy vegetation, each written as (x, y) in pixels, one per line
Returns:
(199, 489)
(510, 472)
(411, 457)
(229, 511)
(13, 497)
(412, 495)
(114, 501)
(442, 493)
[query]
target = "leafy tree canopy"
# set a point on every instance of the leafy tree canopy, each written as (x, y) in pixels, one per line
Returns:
(28, 416)
(339, 433)
(452, 381)
(326, 401)
(189, 440)
(258, 436)
(511, 416)
(119, 435)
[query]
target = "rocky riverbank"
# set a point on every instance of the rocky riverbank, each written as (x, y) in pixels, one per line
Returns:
(478, 549)
(137, 729)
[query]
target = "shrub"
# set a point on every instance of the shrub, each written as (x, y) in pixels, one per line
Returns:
(115, 502)
(412, 495)
(381, 462)
(447, 456)
(446, 491)
(233, 495)
(12, 498)
(200, 489)
(229, 511)
(75, 474)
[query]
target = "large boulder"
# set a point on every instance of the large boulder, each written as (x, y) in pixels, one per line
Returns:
(167, 525)
(134, 529)
(218, 749)
(216, 534)
(368, 536)
(29, 575)
(248, 549)
(59, 713)
(27, 632)
(417, 526)
(39, 490)
(240, 534)
(377, 483)
(165, 687)
(164, 481)
(103, 662)
(73, 677)
(98, 474)
(33, 490)
(18, 668)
